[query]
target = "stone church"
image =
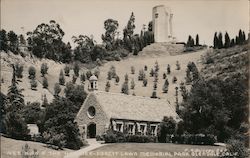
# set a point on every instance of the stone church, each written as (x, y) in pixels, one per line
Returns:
(104, 110)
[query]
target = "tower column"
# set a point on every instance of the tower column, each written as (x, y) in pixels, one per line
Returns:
(170, 25)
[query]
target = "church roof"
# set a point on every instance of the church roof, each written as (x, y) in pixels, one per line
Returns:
(121, 106)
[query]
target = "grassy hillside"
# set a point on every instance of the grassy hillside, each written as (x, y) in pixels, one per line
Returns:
(11, 148)
(162, 53)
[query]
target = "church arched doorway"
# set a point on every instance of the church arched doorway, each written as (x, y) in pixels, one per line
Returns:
(91, 130)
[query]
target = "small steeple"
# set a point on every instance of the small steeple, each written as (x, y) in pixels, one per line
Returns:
(93, 84)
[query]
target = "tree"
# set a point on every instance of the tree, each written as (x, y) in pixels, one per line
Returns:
(66, 70)
(59, 127)
(66, 54)
(45, 83)
(117, 79)
(125, 88)
(190, 42)
(188, 76)
(76, 69)
(174, 80)
(74, 78)
(45, 101)
(107, 86)
(61, 78)
(241, 40)
(33, 84)
(168, 69)
(145, 68)
(232, 43)
(178, 67)
(32, 113)
(197, 40)
(76, 94)
(32, 72)
(132, 84)
(142, 75)
(3, 40)
(84, 48)
(88, 74)
(113, 71)
(108, 38)
(19, 70)
(152, 72)
(13, 122)
(164, 76)
(128, 31)
(167, 127)
(57, 89)
(150, 26)
(109, 75)
(132, 70)
(165, 86)
(46, 41)
(82, 77)
(227, 41)
(183, 91)
(145, 82)
(13, 42)
(22, 41)
(126, 78)
(156, 66)
(220, 41)
(44, 69)
(215, 40)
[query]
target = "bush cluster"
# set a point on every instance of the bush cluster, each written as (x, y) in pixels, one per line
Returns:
(119, 137)
(197, 139)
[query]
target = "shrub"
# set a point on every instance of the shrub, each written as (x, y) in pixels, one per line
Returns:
(97, 73)
(82, 78)
(156, 66)
(26, 152)
(178, 66)
(113, 71)
(141, 75)
(32, 72)
(88, 74)
(152, 72)
(66, 70)
(74, 78)
(145, 82)
(117, 79)
(132, 70)
(168, 69)
(126, 78)
(145, 68)
(32, 113)
(57, 89)
(107, 86)
(33, 84)
(45, 83)
(61, 78)
(132, 84)
(19, 70)
(125, 89)
(44, 69)
(76, 69)
(53, 138)
(109, 75)
(174, 80)
(165, 86)
(236, 149)
(164, 76)
(154, 95)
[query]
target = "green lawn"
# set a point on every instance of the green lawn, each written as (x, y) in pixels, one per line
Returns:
(152, 150)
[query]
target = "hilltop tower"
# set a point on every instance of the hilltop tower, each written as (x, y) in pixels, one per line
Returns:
(162, 24)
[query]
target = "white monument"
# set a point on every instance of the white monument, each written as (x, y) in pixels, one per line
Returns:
(162, 24)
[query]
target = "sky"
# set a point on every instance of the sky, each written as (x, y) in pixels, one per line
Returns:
(86, 17)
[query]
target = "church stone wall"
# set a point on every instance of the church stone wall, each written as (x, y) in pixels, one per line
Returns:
(100, 119)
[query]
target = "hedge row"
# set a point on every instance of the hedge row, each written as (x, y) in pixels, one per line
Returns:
(197, 139)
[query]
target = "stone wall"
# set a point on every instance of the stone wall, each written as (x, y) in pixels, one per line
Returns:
(100, 118)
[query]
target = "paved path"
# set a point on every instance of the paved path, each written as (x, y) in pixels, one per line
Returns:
(93, 144)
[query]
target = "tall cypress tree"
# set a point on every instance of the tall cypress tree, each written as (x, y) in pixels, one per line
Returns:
(227, 41)
(215, 40)
(220, 42)
(197, 40)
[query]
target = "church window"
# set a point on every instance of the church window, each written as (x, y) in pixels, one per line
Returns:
(153, 130)
(142, 129)
(131, 129)
(119, 127)
(91, 112)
